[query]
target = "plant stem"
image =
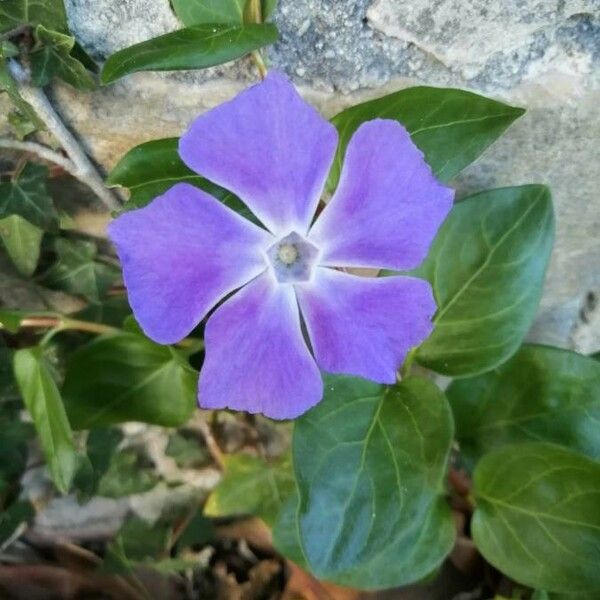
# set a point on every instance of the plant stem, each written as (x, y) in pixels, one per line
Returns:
(260, 63)
(254, 15)
(86, 172)
(60, 322)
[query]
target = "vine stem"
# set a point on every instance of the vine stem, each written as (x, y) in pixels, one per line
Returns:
(79, 165)
(254, 15)
(407, 365)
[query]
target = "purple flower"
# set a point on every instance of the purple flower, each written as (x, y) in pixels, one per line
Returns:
(185, 252)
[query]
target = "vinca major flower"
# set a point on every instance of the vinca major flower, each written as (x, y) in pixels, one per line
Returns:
(286, 306)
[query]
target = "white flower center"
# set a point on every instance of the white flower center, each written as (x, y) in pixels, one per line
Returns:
(292, 258)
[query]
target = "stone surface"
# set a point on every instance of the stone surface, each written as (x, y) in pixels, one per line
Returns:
(540, 54)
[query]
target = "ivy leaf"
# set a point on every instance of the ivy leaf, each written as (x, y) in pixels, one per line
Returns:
(8, 85)
(370, 462)
(452, 127)
(51, 13)
(126, 377)
(200, 12)
(128, 473)
(22, 241)
(20, 124)
(43, 401)
(152, 168)
(250, 485)
(27, 197)
(487, 267)
(541, 394)
(78, 272)
(53, 59)
(538, 516)
(101, 449)
(195, 47)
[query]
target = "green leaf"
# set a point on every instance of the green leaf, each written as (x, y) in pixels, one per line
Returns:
(538, 516)
(136, 541)
(250, 485)
(370, 464)
(195, 47)
(53, 59)
(111, 311)
(26, 196)
(188, 450)
(22, 241)
(21, 124)
(78, 272)
(201, 12)
(126, 377)
(128, 473)
(150, 169)
(101, 448)
(8, 85)
(541, 394)
(452, 127)
(43, 401)
(487, 267)
(268, 7)
(11, 319)
(51, 13)
(18, 513)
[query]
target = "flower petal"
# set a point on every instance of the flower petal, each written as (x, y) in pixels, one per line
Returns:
(388, 205)
(180, 255)
(270, 148)
(365, 326)
(256, 358)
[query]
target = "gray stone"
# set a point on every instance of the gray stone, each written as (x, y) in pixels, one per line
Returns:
(541, 54)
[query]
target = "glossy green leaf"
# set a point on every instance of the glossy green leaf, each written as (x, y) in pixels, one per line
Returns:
(200, 12)
(370, 464)
(541, 394)
(195, 47)
(22, 241)
(538, 516)
(53, 59)
(27, 197)
(51, 13)
(111, 311)
(226, 12)
(43, 401)
(150, 169)
(250, 485)
(78, 272)
(126, 377)
(487, 267)
(452, 127)
(11, 319)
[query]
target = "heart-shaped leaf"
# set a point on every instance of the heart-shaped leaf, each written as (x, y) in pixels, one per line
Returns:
(370, 462)
(27, 197)
(452, 127)
(22, 241)
(195, 47)
(487, 267)
(541, 394)
(53, 59)
(51, 13)
(126, 377)
(250, 485)
(538, 516)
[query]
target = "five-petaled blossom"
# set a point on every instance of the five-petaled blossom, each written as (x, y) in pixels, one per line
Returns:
(185, 252)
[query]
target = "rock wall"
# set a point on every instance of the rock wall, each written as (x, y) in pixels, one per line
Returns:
(540, 54)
